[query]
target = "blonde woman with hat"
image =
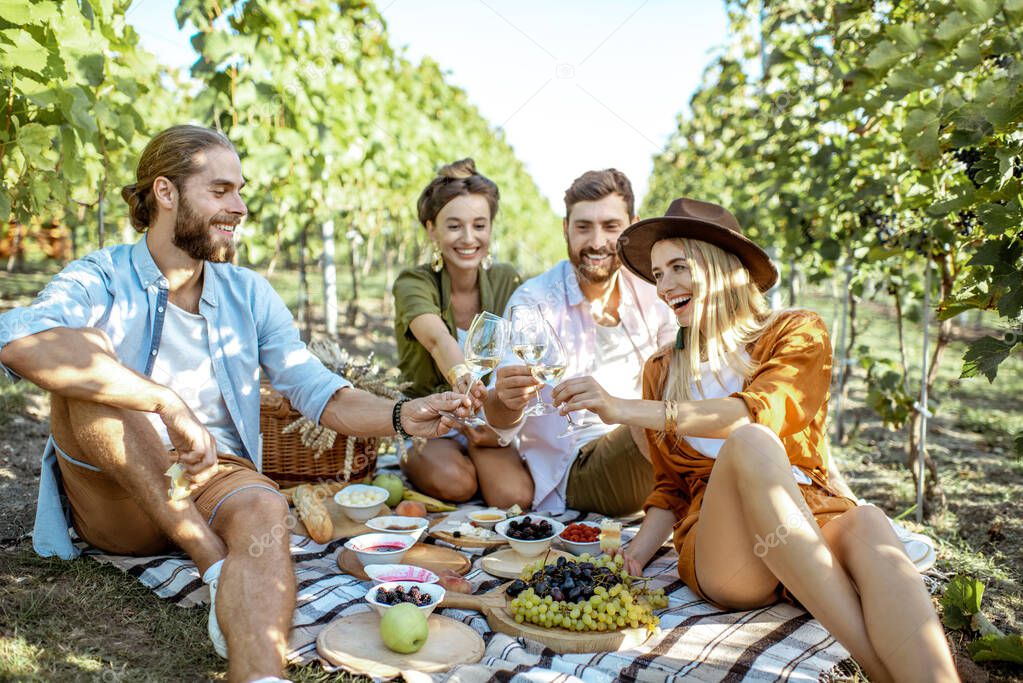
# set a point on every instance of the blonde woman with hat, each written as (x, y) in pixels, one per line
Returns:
(735, 416)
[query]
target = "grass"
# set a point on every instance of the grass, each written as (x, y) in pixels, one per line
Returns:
(81, 620)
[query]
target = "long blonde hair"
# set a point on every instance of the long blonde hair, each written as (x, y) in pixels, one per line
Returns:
(731, 311)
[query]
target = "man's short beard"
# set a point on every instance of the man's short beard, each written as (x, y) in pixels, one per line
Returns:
(597, 276)
(194, 237)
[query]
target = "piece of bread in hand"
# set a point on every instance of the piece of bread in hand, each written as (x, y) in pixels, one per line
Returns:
(313, 513)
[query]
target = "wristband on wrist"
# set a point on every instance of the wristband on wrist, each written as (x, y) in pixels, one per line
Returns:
(396, 419)
(670, 417)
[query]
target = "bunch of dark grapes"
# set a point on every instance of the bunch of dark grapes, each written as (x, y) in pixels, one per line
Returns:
(883, 223)
(969, 156)
(528, 529)
(398, 594)
(585, 594)
(967, 222)
(1002, 61)
(566, 581)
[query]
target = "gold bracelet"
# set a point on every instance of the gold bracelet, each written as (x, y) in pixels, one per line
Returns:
(456, 371)
(670, 417)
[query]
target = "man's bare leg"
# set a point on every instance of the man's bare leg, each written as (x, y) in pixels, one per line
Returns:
(124, 445)
(256, 593)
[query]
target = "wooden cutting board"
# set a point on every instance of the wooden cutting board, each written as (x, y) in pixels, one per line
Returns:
(468, 541)
(354, 643)
(494, 606)
(432, 557)
(343, 526)
(508, 564)
(447, 536)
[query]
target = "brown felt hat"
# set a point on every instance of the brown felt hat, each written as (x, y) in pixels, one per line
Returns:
(696, 220)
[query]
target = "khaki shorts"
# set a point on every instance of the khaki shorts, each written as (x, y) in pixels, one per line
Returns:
(106, 516)
(610, 476)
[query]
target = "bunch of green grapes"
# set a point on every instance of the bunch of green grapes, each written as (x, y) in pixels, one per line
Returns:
(587, 594)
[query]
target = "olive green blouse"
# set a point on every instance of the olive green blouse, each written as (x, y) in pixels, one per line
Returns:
(420, 290)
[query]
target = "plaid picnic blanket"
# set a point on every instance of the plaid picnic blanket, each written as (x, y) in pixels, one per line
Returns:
(696, 640)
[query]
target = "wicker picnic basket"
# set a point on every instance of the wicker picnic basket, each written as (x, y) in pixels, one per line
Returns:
(288, 462)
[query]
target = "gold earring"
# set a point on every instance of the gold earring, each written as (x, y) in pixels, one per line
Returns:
(488, 261)
(438, 261)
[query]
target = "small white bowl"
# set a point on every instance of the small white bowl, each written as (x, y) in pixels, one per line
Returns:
(480, 517)
(576, 548)
(388, 524)
(363, 547)
(385, 573)
(435, 591)
(361, 513)
(529, 548)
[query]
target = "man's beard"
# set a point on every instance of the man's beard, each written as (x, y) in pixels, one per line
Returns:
(595, 274)
(195, 237)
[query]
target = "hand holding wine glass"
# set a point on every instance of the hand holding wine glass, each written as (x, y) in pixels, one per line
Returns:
(485, 345)
(529, 343)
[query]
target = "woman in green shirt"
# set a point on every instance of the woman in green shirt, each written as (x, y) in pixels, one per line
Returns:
(434, 306)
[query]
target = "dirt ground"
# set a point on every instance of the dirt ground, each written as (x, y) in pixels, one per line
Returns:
(980, 533)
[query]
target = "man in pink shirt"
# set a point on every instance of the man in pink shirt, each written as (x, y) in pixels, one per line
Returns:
(610, 322)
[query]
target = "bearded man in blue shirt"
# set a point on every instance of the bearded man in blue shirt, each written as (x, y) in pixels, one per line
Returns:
(152, 353)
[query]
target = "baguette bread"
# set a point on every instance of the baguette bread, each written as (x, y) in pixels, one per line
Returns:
(326, 489)
(313, 513)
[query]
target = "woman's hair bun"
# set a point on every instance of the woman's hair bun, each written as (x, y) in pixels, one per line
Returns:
(452, 180)
(463, 168)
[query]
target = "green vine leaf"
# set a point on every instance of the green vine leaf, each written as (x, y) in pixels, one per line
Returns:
(991, 648)
(960, 602)
(983, 356)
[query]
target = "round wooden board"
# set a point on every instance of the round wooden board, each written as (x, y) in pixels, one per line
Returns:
(432, 557)
(354, 643)
(494, 606)
(468, 541)
(508, 564)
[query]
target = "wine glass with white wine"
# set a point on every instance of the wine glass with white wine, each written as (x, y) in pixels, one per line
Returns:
(551, 370)
(529, 343)
(485, 346)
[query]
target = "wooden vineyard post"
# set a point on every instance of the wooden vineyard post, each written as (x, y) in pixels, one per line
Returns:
(329, 280)
(304, 319)
(921, 405)
(842, 360)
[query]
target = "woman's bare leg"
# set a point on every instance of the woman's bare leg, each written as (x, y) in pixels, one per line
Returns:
(503, 478)
(755, 529)
(441, 469)
(908, 638)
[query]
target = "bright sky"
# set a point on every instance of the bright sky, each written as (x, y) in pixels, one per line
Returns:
(576, 85)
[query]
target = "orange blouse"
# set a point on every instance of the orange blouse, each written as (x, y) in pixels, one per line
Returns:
(788, 393)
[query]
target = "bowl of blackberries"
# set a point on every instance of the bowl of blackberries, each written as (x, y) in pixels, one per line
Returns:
(529, 535)
(425, 596)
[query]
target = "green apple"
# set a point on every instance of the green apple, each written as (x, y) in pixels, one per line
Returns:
(395, 488)
(404, 628)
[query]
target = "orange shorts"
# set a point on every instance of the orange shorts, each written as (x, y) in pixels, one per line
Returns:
(106, 516)
(825, 506)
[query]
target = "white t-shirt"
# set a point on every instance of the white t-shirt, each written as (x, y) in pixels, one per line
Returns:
(618, 370)
(730, 383)
(183, 363)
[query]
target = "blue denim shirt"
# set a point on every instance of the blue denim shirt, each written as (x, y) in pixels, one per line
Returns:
(121, 291)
